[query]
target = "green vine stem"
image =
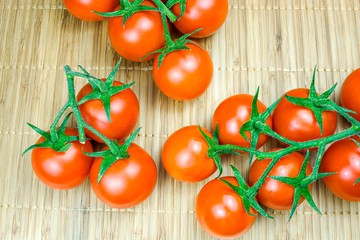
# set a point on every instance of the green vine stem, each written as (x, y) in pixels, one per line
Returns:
(129, 8)
(172, 45)
(256, 125)
(171, 3)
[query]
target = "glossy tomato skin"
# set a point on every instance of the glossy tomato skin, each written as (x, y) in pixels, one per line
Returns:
(220, 211)
(124, 112)
(298, 123)
(184, 155)
(127, 182)
(142, 34)
(207, 14)
(349, 94)
(63, 170)
(232, 114)
(343, 158)
(184, 74)
(82, 9)
(273, 193)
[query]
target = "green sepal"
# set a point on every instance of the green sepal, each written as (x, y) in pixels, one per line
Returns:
(60, 142)
(171, 45)
(127, 10)
(315, 102)
(357, 181)
(103, 90)
(109, 157)
(243, 191)
(171, 3)
(301, 184)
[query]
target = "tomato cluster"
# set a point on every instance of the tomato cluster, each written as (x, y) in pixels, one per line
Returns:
(139, 31)
(106, 111)
(300, 120)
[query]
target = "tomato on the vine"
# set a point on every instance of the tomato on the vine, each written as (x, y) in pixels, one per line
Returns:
(184, 74)
(298, 123)
(124, 113)
(232, 114)
(62, 170)
(127, 182)
(209, 15)
(184, 155)
(349, 94)
(82, 9)
(343, 158)
(220, 211)
(142, 34)
(273, 193)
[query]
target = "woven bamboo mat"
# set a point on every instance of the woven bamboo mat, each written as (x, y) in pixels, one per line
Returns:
(273, 44)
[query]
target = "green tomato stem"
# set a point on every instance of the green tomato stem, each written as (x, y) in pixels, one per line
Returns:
(53, 132)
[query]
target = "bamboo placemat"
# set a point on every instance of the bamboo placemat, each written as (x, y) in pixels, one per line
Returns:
(273, 44)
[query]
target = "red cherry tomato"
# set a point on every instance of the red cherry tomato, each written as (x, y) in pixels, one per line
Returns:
(343, 158)
(82, 9)
(273, 193)
(63, 170)
(142, 34)
(207, 14)
(299, 123)
(184, 74)
(232, 114)
(124, 113)
(127, 182)
(220, 211)
(184, 155)
(349, 94)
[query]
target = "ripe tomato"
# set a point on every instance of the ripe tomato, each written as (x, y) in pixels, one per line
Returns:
(127, 182)
(232, 114)
(220, 210)
(184, 74)
(62, 170)
(124, 112)
(299, 123)
(343, 157)
(142, 34)
(184, 155)
(273, 193)
(207, 14)
(82, 9)
(349, 93)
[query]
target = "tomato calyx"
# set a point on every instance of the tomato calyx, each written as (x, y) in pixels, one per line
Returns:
(173, 45)
(56, 139)
(111, 156)
(315, 102)
(129, 8)
(215, 149)
(246, 194)
(102, 90)
(171, 3)
(301, 184)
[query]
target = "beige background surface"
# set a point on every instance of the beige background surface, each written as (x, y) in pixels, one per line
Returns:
(273, 44)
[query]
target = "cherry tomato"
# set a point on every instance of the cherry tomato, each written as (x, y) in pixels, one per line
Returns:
(343, 158)
(207, 14)
(349, 94)
(142, 34)
(299, 123)
(62, 170)
(124, 113)
(273, 193)
(127, 182)
(184, 155)
(232, 114)
(220, 211)
(82, 9)
(184, 74)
